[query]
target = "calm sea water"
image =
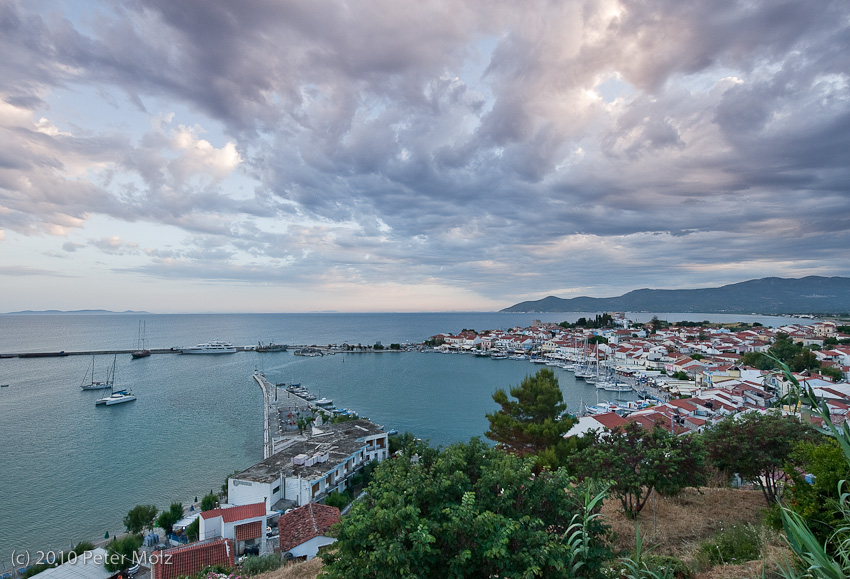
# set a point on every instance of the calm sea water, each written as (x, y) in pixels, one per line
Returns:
(69, 471)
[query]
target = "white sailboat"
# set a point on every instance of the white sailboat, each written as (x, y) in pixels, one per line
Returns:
(95, 384)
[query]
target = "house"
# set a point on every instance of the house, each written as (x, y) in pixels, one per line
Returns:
(303, 530)
(188, 560)
(245, 525)
(308, 470)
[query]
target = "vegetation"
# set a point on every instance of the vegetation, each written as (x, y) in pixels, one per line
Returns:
(816, 501)
(139, 518)
(167, 518)
(209, 502)
(734, 544)
(121, 553)
(338, 500)
(254, 565)
(637, 460)
(756, 447)
(468, 511)
(534, 423)
(62, 557)
(193, 531)
(782, 351)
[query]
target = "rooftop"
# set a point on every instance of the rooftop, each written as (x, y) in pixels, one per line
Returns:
(339, 441)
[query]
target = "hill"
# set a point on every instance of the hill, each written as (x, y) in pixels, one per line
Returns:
(69, 312)
(770, 295)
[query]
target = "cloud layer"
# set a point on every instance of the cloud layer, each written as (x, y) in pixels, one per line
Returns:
(496, 150)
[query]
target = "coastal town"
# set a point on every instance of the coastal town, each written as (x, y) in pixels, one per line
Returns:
(682, 377)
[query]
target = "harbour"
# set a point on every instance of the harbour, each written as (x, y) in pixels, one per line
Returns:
(199, 418)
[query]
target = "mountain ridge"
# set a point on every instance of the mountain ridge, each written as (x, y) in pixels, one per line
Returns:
(770, 295)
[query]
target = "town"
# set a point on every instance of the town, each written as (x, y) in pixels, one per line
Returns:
(688, 376)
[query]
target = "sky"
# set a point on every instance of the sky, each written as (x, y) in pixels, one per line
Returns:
(398, 155)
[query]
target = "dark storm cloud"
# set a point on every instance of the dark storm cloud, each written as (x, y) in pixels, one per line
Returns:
(460, 141)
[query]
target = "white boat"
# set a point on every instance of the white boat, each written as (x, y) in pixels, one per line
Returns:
(116, 398)
(324, 402)
(213, 347)
(498, 356)
(97, 384)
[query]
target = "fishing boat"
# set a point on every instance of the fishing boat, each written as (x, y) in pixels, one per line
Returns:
(93, 384)
(213, 347)
(141, 351)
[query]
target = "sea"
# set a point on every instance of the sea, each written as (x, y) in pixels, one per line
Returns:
(70, 471)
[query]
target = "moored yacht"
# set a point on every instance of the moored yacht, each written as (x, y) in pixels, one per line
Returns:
(116, 398)
(213, 347)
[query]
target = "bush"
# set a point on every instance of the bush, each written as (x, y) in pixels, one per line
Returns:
(338, 500)
(735, 545)
(264, 564)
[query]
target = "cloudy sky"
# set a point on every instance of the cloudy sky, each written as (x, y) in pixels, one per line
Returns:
(395, 155)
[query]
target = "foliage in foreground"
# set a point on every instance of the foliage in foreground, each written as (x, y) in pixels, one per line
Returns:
(638, 460)
(255, 565)
(469, 511)
(820, 560)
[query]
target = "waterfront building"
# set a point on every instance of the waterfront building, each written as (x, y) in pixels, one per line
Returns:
(308, 470)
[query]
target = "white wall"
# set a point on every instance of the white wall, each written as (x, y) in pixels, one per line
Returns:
(311, 547)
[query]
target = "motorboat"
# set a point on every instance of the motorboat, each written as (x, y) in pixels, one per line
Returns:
(117, 397)
(324, 402)
(213, 347)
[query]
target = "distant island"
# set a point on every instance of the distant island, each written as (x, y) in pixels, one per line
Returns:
(85, 312)
(769, 296)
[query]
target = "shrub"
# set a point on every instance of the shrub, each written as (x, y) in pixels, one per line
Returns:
(338, 500)
(264, 564)
(736, 544)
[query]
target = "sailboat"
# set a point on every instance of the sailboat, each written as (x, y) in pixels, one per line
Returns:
(95, 384)
(141, 351)
(117, 396)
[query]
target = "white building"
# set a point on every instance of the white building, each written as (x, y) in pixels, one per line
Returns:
(308, 470)
(245, 525)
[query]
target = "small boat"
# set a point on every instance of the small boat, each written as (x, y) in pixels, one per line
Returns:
(324, 402)
(213, 347)
(116, 398)
(498, 356)
(271, 347)
(4, 385)
(97, 384)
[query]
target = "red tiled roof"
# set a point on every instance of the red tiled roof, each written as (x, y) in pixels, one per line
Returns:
(304, 523)
(188, 560)
(610, 420)
(249, 531)
(239, 513)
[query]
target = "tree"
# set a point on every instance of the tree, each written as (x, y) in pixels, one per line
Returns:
(832, 372)
(535, 422)
(166, 519)
(467, 511)
(139, 518)
(637, 460)
(209, 502)
(121, 553)
(193, 530)
(756, 446)
(816, 500)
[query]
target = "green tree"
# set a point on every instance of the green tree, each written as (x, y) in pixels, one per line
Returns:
(166, 519)
(832, 372)
(193, 530)
(535, 422)
(817, 501)
(209, 502)
(756, 446)
(637, 460)
(121, 553)
(470, 510)
(139, 518)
